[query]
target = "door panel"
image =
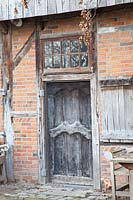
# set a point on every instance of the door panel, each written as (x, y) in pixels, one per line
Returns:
(69, 127)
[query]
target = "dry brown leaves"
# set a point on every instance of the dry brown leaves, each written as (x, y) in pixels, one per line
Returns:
(86, 25)
(25, 3)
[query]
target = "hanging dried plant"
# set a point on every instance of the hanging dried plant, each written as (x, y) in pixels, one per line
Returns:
(81, 2)
(25, 3)
(86, 25)
(15, 11)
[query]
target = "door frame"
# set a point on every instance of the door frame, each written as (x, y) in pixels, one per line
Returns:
(44, 174)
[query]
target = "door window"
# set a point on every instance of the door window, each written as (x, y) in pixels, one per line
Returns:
(64, 53)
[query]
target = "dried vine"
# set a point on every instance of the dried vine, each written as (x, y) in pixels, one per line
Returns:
(25, 3)
(87, 27)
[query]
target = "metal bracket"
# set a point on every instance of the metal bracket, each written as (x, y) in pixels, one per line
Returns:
(2, 92)
(41, 94)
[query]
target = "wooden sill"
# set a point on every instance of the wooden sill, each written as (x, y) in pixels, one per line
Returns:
(116, 141)
(69, 74)
(77, 70)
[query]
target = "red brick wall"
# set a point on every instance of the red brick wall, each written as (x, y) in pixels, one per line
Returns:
(115, 48)
(25, 100)
(62, 25)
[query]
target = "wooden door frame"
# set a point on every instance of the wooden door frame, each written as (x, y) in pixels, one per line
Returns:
(44, 175)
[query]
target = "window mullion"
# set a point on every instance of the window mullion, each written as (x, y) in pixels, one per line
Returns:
(61, 54)
(52, 55)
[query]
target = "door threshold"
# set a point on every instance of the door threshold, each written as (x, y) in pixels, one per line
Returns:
(73, 187)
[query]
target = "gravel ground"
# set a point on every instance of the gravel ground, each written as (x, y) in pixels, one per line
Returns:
(23, 191)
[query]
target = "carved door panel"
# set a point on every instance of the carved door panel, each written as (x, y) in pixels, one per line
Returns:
(69, 128)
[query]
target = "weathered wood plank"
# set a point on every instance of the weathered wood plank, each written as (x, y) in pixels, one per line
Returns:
(66, 5)
(7, 80)
(117, 113)
(55, 35)
(113, 181)
(8, 128)
(4, 10)
(95, 132)
(15, 9)
(131, 184)
(59, 6)
(73, 5)
(116, 82)
(102, 3)
(65, 77)
(121, 111)
(92, 4)
(30, 9)
(52, 7)
(110, 2)
(128, 105)
(118, 135)
(78, 6)
(41, 7)
(126, 1)
(118, 1)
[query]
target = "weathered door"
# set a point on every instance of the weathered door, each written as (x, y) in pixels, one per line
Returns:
(69, 129)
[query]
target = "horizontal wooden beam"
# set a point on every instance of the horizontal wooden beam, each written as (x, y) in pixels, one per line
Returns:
(116, 82)
(58, 35)
(115, 141)
(114, 135)
(122, 194)
(67, 77)
(19, 114)
(18, 9)
(78, 70)
(123, 187)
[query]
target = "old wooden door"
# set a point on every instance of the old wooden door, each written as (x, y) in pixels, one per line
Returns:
(69, 130)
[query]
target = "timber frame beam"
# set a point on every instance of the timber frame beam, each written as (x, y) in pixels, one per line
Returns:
(116, 82)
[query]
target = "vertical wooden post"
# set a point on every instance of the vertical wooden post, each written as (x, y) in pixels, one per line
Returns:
(38, 75)
(46, 136)
(42, 113)
(95, 134)
(131, 184)
(113, 181)
(7, 85)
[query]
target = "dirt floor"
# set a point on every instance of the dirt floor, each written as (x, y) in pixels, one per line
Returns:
(24, 191)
